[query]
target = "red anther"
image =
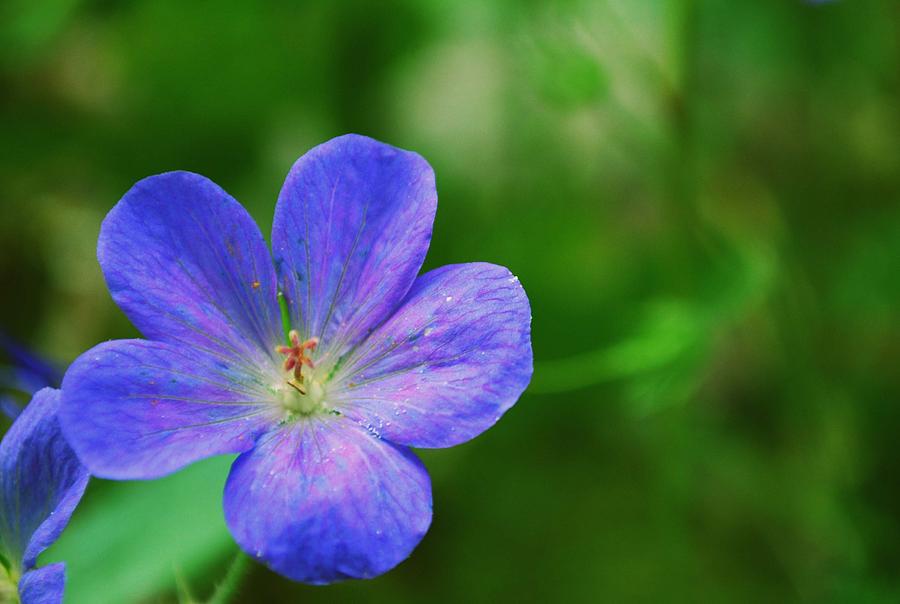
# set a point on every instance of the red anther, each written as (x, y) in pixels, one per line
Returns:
(296, 354)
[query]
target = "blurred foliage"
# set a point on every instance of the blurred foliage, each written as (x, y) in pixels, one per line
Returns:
(701, 199)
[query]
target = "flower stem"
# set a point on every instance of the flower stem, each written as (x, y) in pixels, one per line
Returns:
(231, 582)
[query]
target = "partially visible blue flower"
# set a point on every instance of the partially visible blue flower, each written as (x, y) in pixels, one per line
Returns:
(41, 482)
(377, 359)
(25, 374)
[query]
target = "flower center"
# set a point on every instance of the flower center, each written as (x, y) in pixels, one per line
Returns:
(295, 356)
(301, 393)
(305, 402)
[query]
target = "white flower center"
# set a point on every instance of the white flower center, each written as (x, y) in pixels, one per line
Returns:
(303, 403)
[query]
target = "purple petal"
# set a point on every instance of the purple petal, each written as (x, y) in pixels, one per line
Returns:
(324, 501)
(44, 585)
(141, 409)
(351, 230)
(189, 266)
(448, 364)
(41, 481)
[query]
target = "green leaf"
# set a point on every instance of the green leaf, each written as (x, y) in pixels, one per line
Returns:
(127, 538)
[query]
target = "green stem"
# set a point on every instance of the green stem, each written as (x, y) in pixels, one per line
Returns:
(182, 588)
(285, 318)
(230, 584)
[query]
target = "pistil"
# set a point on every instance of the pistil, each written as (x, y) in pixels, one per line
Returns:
(296, 358)
(303, 394)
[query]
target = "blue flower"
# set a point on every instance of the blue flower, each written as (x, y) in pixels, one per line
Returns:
(376, 358)
(41, 482)
(26, 374)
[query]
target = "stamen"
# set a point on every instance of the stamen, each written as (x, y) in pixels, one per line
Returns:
(296, 355)
(296, 387)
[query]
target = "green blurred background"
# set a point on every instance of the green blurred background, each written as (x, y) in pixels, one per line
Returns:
(701, 198)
